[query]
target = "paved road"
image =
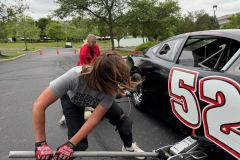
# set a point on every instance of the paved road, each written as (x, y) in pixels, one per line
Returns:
(22, 80)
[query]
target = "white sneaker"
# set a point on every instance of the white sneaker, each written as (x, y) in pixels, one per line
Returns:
(62, 121)
(133, 148)
(87, 114)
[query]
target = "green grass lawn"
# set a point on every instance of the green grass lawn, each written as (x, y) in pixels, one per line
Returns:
(39, 45)
(123, 53)
(10, 55)
(15, 48)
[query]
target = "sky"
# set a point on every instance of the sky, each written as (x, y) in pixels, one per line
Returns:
(42, 8)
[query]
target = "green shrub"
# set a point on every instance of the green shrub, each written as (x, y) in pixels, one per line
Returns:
(146, 45)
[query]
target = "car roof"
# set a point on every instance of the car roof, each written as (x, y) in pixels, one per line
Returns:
(228, 33)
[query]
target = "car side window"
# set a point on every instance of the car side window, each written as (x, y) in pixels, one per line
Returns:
(169, 48)
(210, 53)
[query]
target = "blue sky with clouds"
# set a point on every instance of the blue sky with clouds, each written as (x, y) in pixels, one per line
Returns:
(42, 8)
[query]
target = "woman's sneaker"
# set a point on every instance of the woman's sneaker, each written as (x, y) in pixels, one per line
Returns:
(133, 148)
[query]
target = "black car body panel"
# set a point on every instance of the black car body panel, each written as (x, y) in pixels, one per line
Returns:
(184, 70)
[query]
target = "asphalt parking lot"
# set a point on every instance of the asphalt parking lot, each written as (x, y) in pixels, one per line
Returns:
(22, 80)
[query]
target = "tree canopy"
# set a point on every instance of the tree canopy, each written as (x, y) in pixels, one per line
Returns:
(55, 31)
(196, 21)
(154, 19)
(151, 18)
(27, 29)
(234, 22)
(42, 25)
(9, 11)
(108, 11)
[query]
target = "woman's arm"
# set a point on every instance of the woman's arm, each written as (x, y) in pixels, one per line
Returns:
(45, 99)
(93, 120)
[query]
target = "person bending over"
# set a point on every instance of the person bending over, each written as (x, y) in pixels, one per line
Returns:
(88, 53)
(81, 87)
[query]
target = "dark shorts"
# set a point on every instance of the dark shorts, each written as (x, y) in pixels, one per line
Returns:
(75, 119)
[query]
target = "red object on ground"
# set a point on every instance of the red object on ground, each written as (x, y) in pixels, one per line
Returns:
(40, 51)
(75, 51)
(135, 52)
(85, 56)
(58, 51)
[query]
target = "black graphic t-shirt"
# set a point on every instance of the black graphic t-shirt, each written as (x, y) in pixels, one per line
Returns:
(79, 93)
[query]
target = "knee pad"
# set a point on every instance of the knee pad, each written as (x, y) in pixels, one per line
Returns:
(125, 125)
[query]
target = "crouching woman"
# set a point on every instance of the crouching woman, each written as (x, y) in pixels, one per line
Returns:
(81, 87)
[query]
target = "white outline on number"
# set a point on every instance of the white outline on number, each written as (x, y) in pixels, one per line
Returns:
(182, 100)
(215, 103)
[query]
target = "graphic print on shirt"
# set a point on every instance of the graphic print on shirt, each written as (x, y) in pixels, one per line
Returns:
(85, 100)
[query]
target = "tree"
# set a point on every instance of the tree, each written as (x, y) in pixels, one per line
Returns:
(27, 29)
(233, 23)
(9, 29)
(102, 28)
(83, 27)
(42, 24)
(108, 11)
(120, 29)
(196, 21)
(8, 14)
(151, 18)
(141, 16)
(9, 11)
(186, 24)
(71, 31)
(204, 21)
(55, 31)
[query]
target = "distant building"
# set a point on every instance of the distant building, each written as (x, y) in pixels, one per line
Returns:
(224, 19)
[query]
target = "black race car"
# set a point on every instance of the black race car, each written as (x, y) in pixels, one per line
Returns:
(192, 81)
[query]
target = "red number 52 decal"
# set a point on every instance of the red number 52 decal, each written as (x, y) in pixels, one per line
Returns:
(182, 88)
(221, 118)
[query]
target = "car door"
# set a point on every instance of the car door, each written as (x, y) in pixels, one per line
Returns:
(204, 93)
(156, 70)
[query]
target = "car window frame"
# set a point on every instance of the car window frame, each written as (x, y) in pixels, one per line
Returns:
(232, 64)
(205, 37)
(184, 38)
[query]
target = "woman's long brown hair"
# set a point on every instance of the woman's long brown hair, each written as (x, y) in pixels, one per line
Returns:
(109, 73)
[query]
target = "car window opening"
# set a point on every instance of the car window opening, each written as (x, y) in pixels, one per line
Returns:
(211, 53)
(168, 49)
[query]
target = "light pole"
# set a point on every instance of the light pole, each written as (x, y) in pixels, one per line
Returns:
(214, 11)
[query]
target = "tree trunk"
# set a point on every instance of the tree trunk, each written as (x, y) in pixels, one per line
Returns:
(25, 44)
(118, 42)
(110, 25)
(111, 37)
(143, 39)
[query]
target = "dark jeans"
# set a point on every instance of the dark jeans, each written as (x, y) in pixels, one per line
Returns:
(75, 119)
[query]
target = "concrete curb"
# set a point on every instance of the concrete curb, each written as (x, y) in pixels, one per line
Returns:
(38, 50)
(34, 51)
(10, 59)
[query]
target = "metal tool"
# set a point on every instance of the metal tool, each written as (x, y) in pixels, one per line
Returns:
(31, 154)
